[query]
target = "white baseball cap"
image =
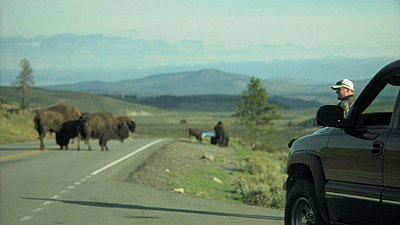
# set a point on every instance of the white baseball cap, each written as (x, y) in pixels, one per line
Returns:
(344, 83)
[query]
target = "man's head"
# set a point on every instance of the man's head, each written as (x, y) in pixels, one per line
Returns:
(343, 88)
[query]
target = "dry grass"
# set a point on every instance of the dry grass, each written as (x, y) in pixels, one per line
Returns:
(16, 127)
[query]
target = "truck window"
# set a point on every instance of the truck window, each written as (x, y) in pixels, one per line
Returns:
(379, 112)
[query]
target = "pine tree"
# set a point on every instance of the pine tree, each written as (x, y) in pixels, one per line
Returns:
(24, 80)
(254, 112)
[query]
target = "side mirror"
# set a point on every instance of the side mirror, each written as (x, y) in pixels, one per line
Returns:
(330, 116)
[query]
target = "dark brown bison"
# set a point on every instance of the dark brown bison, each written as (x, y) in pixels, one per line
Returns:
(104, 126)
(196, 133)
(52, 119)
(221, 135)
(69, 130)
(131, 124)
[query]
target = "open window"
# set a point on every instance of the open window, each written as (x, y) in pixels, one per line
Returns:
(379, 112)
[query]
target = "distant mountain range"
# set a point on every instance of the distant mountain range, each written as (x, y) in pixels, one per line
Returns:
(314, 71)
(184, 83)
(207, 89)
(202, 82)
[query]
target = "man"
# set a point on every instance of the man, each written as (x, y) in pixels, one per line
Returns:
(345, 92)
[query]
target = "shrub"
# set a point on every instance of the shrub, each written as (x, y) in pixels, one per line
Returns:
(262, 178)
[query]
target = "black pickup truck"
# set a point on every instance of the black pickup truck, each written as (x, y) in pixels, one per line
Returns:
(348, 172)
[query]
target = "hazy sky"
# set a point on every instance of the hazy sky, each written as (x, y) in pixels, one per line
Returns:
(174, 32)
(229, 22)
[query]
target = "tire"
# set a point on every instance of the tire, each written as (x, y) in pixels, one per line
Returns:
(301, 205)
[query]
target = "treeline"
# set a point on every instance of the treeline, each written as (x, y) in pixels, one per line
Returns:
(310, 123)
(174, 102)
(209, 103)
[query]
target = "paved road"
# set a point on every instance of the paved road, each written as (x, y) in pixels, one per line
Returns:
(71, 187)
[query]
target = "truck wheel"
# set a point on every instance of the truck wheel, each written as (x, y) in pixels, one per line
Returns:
(301, 206)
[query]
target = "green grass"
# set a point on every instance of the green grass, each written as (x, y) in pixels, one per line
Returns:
(202, 182)
(256, 179)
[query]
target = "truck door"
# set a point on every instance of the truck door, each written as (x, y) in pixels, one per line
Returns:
(391, 175)
(354, 162)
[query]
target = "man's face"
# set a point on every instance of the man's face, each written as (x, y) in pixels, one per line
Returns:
(342, 93)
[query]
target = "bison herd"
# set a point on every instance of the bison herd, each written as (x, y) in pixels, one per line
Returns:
(220, 138)
(68, 122)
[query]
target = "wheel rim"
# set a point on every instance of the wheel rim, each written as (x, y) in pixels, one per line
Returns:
(302, 213)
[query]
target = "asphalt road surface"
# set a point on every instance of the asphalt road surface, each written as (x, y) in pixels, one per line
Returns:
(88, 187)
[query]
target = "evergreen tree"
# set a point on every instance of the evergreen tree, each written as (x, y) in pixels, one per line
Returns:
(254, 112)
(24, 80)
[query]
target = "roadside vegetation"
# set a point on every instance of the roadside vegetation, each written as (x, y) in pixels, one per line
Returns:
(16, 127)
(256, 176)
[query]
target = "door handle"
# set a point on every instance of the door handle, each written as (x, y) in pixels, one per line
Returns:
(377, 148)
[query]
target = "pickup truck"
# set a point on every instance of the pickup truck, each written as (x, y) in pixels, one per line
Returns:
(348, 172)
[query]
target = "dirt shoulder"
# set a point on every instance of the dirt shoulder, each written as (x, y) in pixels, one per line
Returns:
(179, 156)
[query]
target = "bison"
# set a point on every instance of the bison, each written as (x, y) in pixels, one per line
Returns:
(131, 124)
(196, 133)
(52, 119)
(72, 129)
(221, 135)
(104, 126)
(69, 130)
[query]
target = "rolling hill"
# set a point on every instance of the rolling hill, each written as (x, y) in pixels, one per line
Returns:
(85, 101)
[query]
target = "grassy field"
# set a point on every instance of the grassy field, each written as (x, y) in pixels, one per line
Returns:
(150, 121)
(19, 127)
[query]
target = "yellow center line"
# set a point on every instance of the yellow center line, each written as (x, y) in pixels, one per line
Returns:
(26, 153)
(20, 154)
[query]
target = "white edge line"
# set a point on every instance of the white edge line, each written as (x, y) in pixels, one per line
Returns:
(125, 157)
